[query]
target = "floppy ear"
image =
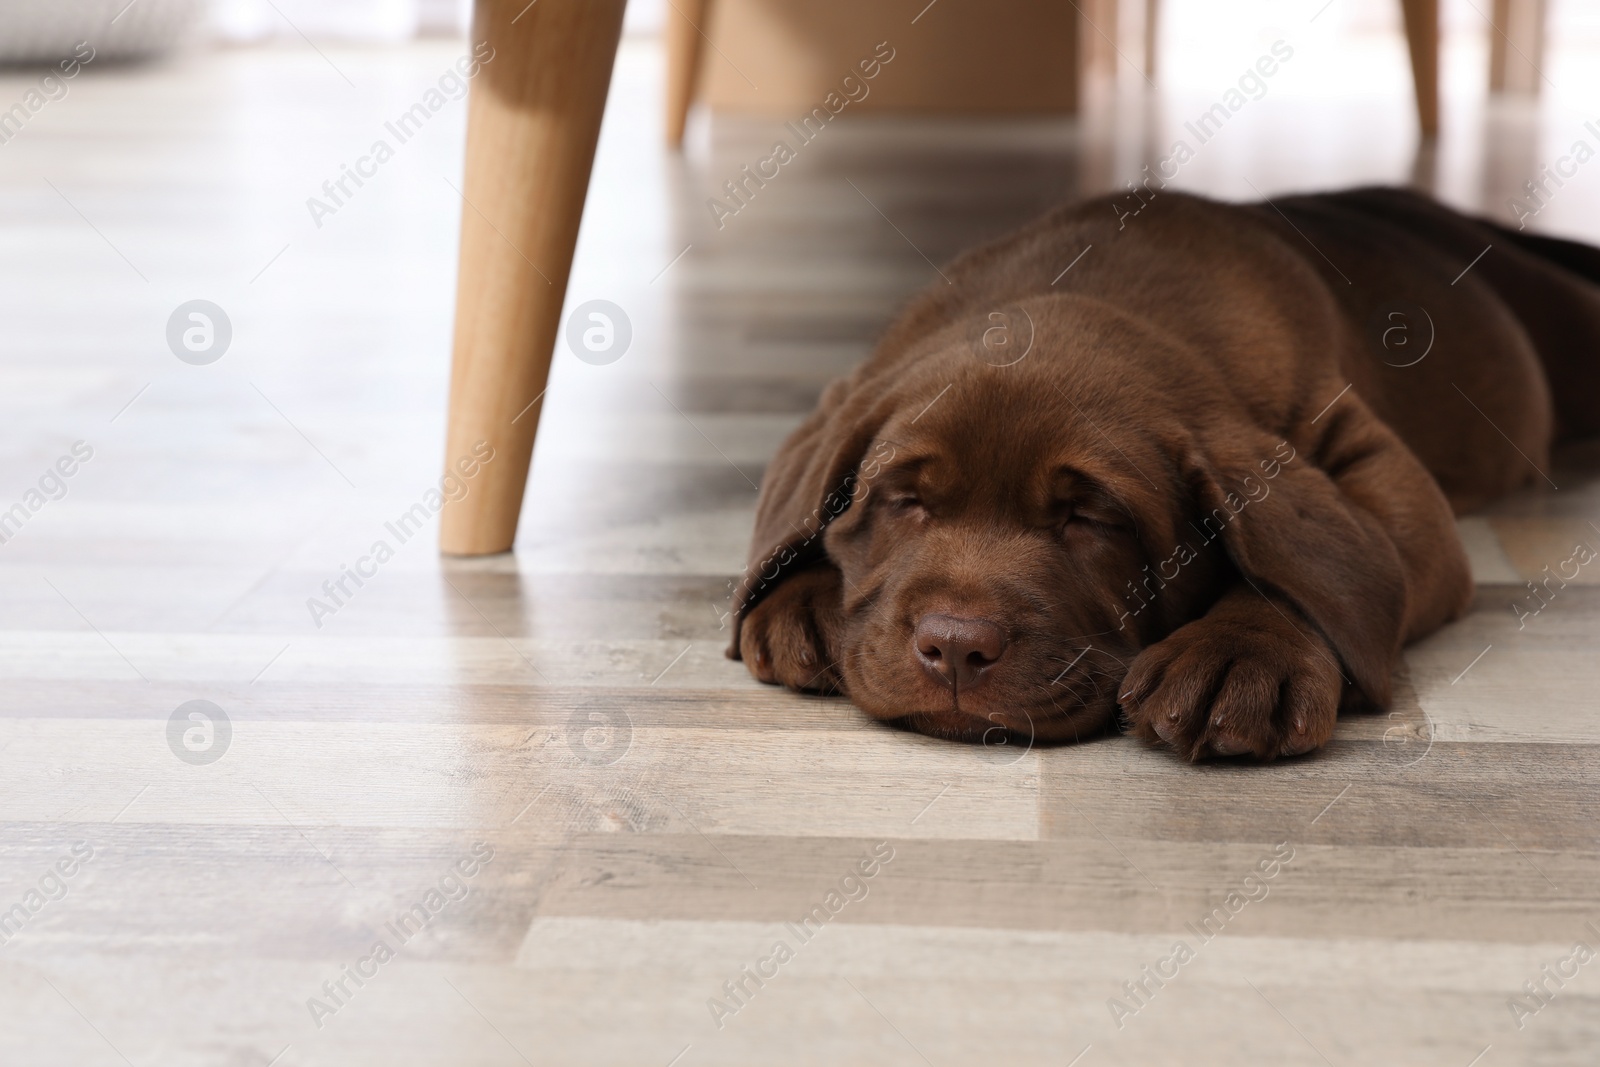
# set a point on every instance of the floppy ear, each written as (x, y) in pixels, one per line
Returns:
(1306, 547)
(818, 472)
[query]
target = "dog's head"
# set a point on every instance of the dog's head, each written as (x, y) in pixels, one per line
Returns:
(1013, 526)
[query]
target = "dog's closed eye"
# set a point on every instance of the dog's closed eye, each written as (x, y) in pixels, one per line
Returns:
(1102, 518)
(906, 504)
(1082, 504)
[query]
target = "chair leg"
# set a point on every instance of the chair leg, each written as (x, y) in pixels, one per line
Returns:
(1499, 15)
(532, 125)
(1151, 27)
(1097, 45)
(1422, 35)
(686, 22)
(1516, 46)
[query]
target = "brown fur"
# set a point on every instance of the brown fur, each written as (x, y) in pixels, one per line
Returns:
(1139, 474)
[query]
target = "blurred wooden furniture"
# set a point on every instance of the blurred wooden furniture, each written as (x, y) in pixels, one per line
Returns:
(1516, 46)
(781, 58)
(684, 39)
(533, 123)
(1422, 38)
(1092, 36)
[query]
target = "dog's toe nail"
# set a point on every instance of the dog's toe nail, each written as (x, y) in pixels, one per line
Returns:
(1166, 727)
(1223, 742)
(1227, 745)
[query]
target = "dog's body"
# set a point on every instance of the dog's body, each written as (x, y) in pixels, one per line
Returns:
(1208, 472)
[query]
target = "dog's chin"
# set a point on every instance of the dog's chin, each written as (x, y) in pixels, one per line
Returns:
(952, 726)
(1019, 727)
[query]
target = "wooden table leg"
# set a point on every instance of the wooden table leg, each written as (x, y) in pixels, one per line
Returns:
(1422, 35)
(1151, 27)
(532, 125)
(686, 23)
(1516, 46)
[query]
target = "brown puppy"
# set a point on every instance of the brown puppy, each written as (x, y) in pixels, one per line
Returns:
(1207, 474)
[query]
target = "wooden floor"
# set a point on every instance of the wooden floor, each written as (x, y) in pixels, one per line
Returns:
(603, 821)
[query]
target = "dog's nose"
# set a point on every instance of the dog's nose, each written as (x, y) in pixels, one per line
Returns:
(959, 652)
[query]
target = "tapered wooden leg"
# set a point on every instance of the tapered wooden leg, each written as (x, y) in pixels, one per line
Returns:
(532, 125)
(1151, 13)
(1422, 34)
(1096, 46)
(1499, 15)
(686, 22)
(1516, 46)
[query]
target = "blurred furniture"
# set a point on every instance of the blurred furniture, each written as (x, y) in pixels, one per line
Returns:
(534, 120)
(1006, 56)
(1516, 46)
(41, 31)
(1422, 38)
(782, 58)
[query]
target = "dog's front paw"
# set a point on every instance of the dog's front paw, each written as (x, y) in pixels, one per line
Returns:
(1236, 683)
(787, 638)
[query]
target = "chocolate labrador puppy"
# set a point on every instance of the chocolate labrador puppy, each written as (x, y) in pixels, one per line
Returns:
(1207, 474)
